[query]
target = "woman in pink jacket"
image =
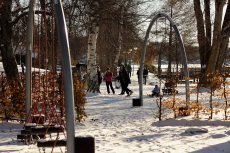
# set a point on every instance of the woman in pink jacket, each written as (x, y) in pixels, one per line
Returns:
(108, 80)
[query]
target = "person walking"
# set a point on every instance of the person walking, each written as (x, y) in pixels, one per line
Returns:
(124, 79)
(138, 75)
(129, 69)
(108, 76)
(121, 80)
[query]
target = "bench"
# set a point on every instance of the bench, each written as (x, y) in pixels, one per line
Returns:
(169, 88)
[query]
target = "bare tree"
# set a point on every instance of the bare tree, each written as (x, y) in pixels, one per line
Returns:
(212, 45)
(6, 24)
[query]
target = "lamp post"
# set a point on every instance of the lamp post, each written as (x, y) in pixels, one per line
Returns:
(130, 50)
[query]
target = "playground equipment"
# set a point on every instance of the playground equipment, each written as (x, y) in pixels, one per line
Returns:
(46, 110)
(139, 102)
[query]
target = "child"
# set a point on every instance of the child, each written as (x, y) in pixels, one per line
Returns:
(155, 91)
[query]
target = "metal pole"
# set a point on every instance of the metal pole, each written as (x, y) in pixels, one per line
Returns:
(183, 54)
(184, 60)
(29, 50)
(67, 71)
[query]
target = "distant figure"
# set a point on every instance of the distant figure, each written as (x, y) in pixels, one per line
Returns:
(138, 75)
(99, 77)
(78, 66)
(108, 80)
(155, 91)
(23, 69)
(129, 70)
(145, 74)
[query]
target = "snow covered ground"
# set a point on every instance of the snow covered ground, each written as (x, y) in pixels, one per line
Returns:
(118, 127)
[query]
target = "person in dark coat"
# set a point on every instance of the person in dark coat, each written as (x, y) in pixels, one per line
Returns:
(99, 77)
(108, 76)
(138, 75)
(124, 79)
(145, 74)
(121, 80)
(129, 69)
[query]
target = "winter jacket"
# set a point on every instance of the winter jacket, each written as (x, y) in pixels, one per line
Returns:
(155, 89)
(108, 76)
(99, 77)
(145, 72)
(123, 77)
(128, 68)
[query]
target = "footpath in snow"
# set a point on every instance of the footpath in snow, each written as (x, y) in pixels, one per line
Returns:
(118, 127)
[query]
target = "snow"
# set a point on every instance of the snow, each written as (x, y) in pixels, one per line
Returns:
(118, 127)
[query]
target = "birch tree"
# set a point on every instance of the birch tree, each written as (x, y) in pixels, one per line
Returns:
(93, 31)
(120, 33)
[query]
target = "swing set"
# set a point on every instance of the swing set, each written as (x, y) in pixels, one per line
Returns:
(49, 106)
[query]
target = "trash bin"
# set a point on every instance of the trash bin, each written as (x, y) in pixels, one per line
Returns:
(137, 102)
(84, 145)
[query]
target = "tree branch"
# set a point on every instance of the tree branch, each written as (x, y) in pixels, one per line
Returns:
(25, 13)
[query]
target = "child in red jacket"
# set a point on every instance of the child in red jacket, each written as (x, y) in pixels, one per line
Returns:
(108, 76)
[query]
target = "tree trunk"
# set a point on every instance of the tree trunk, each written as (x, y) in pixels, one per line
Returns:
(120, 38)
(8, 57)
(169, 73)
(225, 38)
(211, 65)
(200, 32)
(91, 53)
(170, 50)
(208, 28)
(212, 52)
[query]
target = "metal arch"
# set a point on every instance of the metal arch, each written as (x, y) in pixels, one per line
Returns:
(67, 71)
(182, 50)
